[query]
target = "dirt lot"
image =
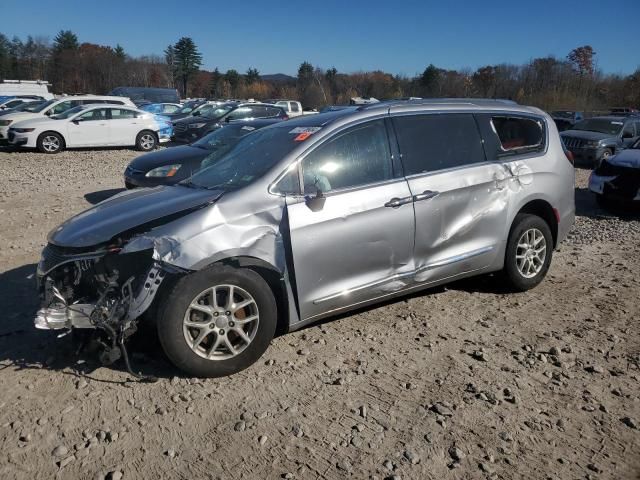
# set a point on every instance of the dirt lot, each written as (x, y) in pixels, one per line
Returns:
(465, 381)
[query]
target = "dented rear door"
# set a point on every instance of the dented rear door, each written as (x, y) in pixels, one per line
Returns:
(460, 199)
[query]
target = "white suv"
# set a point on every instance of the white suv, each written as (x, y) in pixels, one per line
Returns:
(55, 107)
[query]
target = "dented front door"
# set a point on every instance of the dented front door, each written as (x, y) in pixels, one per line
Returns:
(355, 242)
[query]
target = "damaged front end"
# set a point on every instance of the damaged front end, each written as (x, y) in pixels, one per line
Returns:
(102, 289)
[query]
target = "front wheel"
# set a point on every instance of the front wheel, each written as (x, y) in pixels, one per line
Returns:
(50, 142)
(529, 251)
(217, 321)
(146, 141)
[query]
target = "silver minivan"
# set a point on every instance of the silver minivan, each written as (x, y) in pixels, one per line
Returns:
(311, 217)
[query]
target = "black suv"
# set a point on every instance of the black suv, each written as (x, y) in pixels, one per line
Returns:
(206, 120)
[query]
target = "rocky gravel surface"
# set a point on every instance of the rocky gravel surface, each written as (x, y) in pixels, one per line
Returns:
(464, 381)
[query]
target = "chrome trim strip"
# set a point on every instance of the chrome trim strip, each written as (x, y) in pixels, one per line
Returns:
(399, 276)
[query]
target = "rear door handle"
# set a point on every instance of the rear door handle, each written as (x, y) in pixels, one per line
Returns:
(426, 195)
(398, 202)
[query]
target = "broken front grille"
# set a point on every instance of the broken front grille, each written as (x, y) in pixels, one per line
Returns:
(52, 256)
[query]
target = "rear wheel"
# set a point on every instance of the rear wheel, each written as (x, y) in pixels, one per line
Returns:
(146, 141)
(529, 251)
(50, 142)
(218, 321)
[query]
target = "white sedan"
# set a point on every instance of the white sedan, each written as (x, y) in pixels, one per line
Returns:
(92, 126)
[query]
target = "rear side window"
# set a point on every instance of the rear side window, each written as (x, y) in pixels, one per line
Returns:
(241, 112)
(358, 156)
(518, 134)
(438, 141)
(294, 107)
(120, 113)
(273, 112)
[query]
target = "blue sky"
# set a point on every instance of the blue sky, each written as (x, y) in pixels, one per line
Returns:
(396, 36)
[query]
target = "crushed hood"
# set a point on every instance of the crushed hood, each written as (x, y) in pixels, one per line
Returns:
(127, 211)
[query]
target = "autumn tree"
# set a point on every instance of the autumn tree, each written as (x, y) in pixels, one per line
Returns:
(582, 59)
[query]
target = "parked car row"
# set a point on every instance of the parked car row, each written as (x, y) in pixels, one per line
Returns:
(91, 125)
(416, 194)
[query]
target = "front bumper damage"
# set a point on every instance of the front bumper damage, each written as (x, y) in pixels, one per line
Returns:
(101, 291)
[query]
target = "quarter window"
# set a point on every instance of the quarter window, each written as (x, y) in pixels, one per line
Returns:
(355, 157)
(438, 141)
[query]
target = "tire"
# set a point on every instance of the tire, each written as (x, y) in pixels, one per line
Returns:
(518, 271)
(606, 153)
(146, 141)
(211, 335)
(50, 142)
(129, 186)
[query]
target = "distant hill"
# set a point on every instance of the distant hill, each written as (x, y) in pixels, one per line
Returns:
(278, 78)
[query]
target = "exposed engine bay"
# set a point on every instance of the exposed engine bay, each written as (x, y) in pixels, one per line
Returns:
(103, 290)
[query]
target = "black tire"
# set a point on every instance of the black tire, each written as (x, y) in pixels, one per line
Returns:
(173, 311)
(146, 141)
(521, 224)
(129, 186)
(50, 142)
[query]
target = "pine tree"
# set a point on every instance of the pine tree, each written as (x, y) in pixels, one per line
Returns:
(187, 61)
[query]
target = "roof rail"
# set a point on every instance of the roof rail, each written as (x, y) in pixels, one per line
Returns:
(438, 101)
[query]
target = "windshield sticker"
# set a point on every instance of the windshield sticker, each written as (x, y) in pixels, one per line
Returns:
(247, 127)
(308, 130)
(303, 136)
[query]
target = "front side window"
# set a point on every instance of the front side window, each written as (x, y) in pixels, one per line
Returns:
(358, 156)
(97, 114)
(627, 131)
(435, 142)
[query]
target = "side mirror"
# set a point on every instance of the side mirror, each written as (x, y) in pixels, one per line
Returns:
(315, 202)
(196, 113)
(626, 135)
(48, 113)
(75, 121)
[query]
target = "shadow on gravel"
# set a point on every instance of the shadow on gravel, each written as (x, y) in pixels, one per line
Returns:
(24, 347)
(97, 197)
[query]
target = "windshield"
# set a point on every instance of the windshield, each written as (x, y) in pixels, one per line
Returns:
(251, 158)
(186, 108)
(562, 114)
(213, 111)
(40, 107)
(600, 125)
(68, 113)
(221, 142)
(28, 107)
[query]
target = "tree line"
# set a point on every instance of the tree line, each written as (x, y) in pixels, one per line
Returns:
(572, 82)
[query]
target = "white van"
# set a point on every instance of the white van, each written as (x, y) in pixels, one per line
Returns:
(55, 107)
(10, 88)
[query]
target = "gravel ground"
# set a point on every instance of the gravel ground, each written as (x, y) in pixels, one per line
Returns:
(465, 381)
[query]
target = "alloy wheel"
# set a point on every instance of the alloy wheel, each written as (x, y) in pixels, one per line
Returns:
(147, 141)
(51, 143)
(531, 252)
(221, 322)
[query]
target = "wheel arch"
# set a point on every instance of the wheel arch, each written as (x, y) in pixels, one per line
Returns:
(60, 134)
(274, 278)
(544, 210)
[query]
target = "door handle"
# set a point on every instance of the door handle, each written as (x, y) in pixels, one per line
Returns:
(398, 202)
(426, 195)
